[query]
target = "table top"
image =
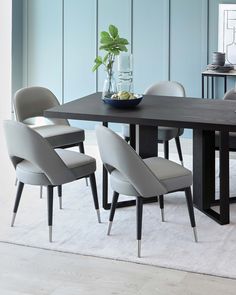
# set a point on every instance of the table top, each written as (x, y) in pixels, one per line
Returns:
(193, 113)
(215, 73)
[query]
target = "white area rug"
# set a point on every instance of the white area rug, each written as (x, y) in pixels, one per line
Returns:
(168, 244)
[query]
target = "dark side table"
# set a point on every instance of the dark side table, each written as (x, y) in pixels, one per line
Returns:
(212, 75)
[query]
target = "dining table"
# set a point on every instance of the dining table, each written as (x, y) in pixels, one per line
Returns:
(204, 117)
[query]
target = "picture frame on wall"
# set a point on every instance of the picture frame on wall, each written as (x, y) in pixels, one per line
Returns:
(227, 32)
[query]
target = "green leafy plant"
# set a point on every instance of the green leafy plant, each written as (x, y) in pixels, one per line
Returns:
(113, 45)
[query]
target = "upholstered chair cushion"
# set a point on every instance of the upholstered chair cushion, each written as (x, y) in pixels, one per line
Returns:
(61, 135)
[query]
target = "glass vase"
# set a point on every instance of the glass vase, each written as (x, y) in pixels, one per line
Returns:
(109, 86)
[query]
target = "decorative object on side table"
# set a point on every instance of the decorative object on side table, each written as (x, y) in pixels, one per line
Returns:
(218, 63)
(113, 45)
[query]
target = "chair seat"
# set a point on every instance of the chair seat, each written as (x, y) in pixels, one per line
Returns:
(164, 133)
(61, 135)
(232, 140)
(81, 165)
(171, 175)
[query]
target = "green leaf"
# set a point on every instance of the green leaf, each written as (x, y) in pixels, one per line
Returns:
(105, 58)
(98, 59)
(113, 31)
(95, 67)
(122, 41)
(105, 38)
(115, 51)
(122, 48)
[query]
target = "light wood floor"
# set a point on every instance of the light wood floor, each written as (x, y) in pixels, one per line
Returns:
(29, 271)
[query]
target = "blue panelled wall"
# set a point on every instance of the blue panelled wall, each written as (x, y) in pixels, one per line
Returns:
(55, 42)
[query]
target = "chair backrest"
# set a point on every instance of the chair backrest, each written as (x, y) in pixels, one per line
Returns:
(230, 95)
(166, 88)
(24, 143)
(117, 154)
(31, 102)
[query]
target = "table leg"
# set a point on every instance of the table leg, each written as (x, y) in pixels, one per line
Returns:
(132, 132)
(203, 90)
(224, 177)
(203, 168)
(207, 87)
(204, 174)
(225, 84)
(146, 141)
(212, 87)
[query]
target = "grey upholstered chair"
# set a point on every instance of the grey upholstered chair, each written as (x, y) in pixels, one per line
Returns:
(230, 95)
(165, 134)
(30, 103)
(37, 163)
(132, 176)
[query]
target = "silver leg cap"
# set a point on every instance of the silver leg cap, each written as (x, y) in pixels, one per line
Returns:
(13, 219)
(60, 202)
(139, 248)
(195, 234)
(41, 192)
(98, 215)
(162, 215)
(50, 233)
(109, 228)
(182, 163)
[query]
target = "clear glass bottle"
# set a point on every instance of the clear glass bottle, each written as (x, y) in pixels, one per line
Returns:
(125, 82)
(125, 72)
(109, 86)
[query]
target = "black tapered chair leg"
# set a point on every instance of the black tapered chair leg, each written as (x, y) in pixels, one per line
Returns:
(95, 195)
(178, 145)
(17, 201)
(59, 191)
(166, 149)
(127, 139)
(81, 149)
(161, 204)
(50, 210)
(139, 217)
(112, 211)
(189, 201)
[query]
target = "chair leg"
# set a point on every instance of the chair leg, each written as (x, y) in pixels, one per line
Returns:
(59, 190)
(81, 149)
(161, 203)
(112, 211)
(17, 201)
(139, 216)
(16, 181)
(177, 142)
(189, 201)
(166, 149)
(50, 210)
(95, 195)
(41, 192)
(127, 139)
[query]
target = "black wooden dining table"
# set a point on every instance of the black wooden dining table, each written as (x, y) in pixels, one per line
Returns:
(204, 117)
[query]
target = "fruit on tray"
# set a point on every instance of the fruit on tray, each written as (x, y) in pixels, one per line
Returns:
(123, 95)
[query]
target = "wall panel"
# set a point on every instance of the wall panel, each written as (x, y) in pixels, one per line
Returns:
(150, 45)
(44, 44)
(79, 48)
(186, 44)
